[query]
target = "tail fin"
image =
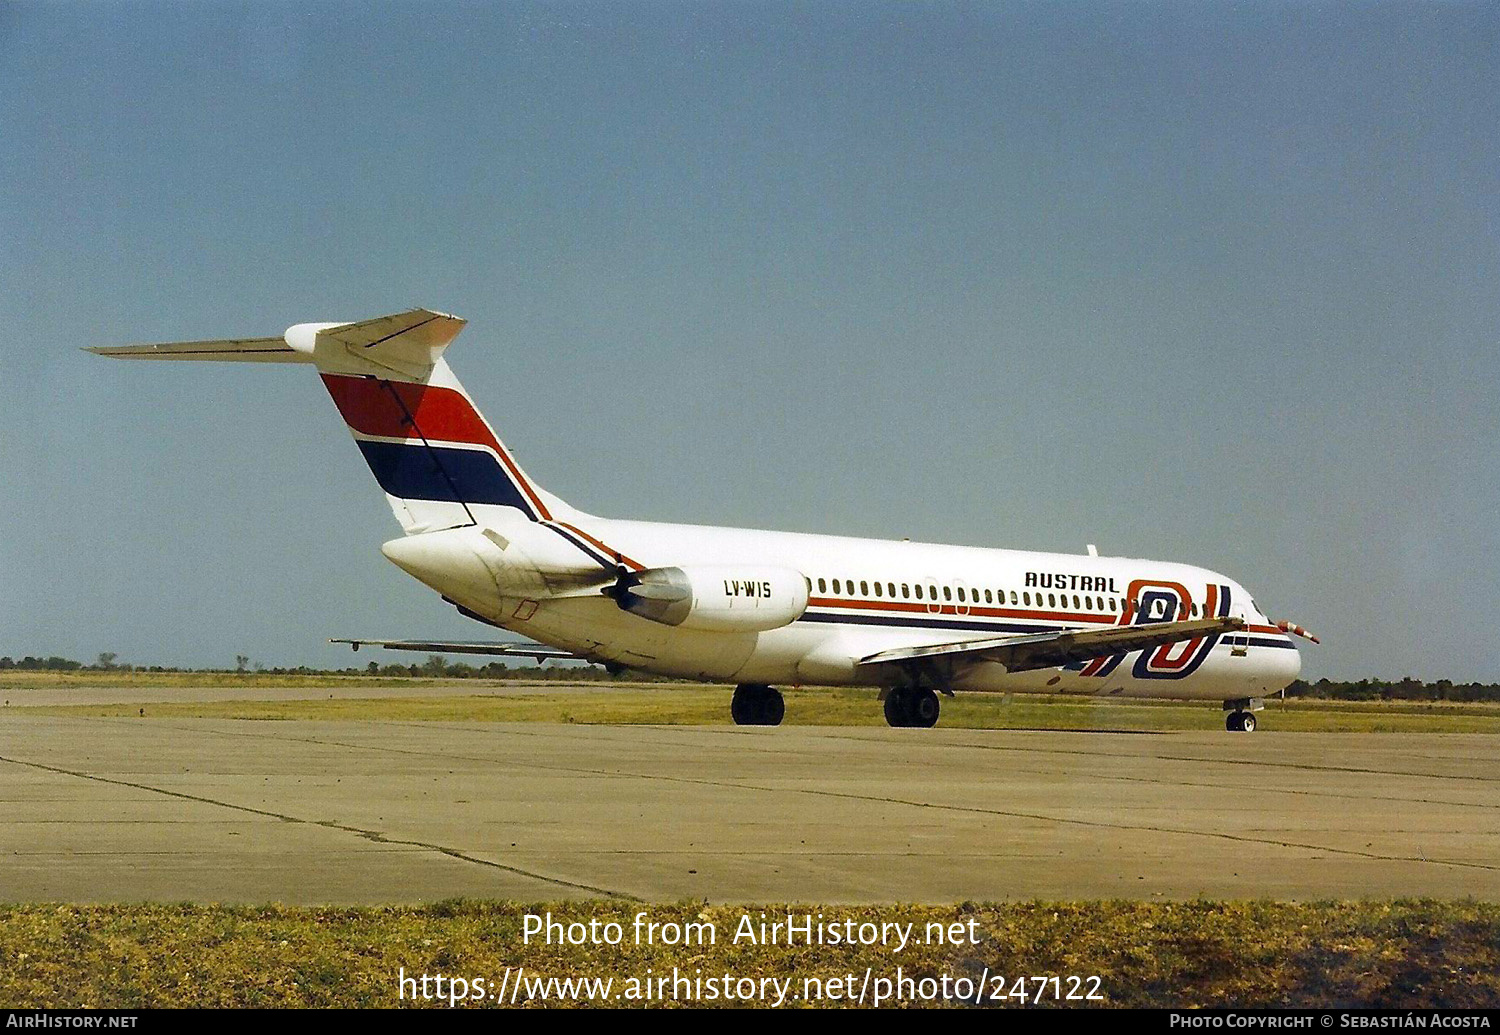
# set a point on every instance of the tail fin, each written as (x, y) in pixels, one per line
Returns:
(439, 462)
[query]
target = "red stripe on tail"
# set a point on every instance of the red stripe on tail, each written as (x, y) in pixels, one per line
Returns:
(396, 409)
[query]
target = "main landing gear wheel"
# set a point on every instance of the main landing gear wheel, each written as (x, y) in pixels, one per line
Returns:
(1240, 722)
(757, 705)
(911, 706)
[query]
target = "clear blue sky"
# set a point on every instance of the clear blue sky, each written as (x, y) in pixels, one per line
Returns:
(1209, 282)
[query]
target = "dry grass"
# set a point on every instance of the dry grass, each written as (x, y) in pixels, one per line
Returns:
(691, 704)
(1407, 954)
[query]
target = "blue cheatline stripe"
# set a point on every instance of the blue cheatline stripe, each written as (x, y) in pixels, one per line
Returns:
(411, 471)
(592, 554)
(1257, 641)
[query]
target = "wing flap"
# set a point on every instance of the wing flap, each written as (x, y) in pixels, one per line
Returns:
(1052, 649)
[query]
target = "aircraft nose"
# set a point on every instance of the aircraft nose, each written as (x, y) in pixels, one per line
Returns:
(1287, 665)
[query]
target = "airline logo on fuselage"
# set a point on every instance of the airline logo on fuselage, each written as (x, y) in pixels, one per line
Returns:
(1081, 583)
(745, 588)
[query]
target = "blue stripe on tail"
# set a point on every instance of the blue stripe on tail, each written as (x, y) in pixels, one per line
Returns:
(417, 471)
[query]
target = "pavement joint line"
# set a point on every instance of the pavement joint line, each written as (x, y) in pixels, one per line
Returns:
(1353, 770)
(1293, 791)
(946, 744)
(327, 824)
(911, 803)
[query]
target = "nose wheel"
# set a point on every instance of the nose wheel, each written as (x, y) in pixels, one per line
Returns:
(1240, 722)
(757, 705)
(911, 706)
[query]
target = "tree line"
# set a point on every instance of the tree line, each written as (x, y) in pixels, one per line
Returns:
(434, 667)
(1407, 689)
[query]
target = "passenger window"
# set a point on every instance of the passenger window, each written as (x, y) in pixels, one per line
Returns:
(1076, 604)
(960, 593)
(989, 597)
(822, 586)
(947, 592)
(1012, 596)
(919, 591)
(1028, 598)
(864, 589)
(1051, 599)
(905, 591)
(1088, 603)
(877, 589)
(849, 586)
(890, 589)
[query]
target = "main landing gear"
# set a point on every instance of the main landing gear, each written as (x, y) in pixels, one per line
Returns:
(911, 706)
(1241, 717)
(756, 704)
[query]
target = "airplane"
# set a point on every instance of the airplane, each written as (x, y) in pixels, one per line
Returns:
(752, 609)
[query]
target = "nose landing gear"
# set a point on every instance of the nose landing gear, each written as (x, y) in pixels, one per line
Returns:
(755, 704)
(1241, 717)
(911, 706)
(1240, 722)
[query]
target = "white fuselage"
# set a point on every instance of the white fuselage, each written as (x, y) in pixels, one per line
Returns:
(863, 598)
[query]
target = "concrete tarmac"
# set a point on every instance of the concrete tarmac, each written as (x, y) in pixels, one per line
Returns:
(120, 810)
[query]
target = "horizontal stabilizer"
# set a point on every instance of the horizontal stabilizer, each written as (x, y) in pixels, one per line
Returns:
(415, 328)
(407, 344)
(235, 350)
(507, 650)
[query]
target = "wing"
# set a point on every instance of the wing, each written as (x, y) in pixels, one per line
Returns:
(506, 650)
(1051, 649)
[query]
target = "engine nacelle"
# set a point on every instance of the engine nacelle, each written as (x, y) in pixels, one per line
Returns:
(713, 598)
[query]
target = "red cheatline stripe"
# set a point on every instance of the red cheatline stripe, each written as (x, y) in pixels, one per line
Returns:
(443, 414)
(951, 609)
(1094, 666)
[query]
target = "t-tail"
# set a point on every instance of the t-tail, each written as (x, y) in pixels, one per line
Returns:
(438, 460)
